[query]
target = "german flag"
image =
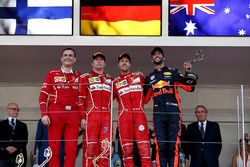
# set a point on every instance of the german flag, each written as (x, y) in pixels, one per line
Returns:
(121, 17)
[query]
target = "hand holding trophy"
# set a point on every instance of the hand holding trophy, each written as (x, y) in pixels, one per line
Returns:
(192, 77)
(199, 56)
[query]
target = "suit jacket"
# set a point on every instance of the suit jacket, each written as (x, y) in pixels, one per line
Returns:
(199, 149)
(184, 145)
(9, 137)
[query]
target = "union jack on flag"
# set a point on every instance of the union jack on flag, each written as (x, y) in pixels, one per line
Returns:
(209, 18)
(191, 5)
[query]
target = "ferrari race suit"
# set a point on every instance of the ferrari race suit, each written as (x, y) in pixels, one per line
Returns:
(62, 90)
(132, 123)
(94, 103)
(163, 85)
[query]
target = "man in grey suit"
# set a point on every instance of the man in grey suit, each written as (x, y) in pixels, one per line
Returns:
(204, 140)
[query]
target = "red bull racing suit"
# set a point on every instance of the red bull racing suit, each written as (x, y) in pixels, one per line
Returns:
(132, 123)
(94, 103)
(62, 89)
(163, 85)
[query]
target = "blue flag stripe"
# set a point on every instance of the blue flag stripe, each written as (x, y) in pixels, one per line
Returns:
(22, 13)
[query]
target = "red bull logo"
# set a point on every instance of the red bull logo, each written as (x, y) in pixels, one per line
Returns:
(160, 84)
(163, 91)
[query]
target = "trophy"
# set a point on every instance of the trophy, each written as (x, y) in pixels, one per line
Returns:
(191, 78)
(20, 160)
(199, 56)
(47, 154)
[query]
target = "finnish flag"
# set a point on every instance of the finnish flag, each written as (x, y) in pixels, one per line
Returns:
(36, 17)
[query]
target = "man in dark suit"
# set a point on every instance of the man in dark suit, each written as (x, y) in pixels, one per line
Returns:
(204, 140)
(13, 138)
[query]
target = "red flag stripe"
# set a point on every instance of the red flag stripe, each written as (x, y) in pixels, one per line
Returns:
(117, 13)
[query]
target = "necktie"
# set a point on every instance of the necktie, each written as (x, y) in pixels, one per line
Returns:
(202, 130)
(13, 123)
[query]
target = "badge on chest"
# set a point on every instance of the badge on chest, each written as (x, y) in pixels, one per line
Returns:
(94, 80)
(121, 84)
(59, 79)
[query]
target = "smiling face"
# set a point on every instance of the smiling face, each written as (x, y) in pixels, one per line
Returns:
(157, 58)
(98, 63)
(201, 114)
(68, 58)
(124, 64)
(13, 110)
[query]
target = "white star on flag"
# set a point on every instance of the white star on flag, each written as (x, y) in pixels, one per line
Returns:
(227, 10)
(190, 27)
(247, 16)
(242, 32)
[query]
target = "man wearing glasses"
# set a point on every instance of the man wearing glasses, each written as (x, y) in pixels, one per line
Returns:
(204, 140)
(13, 138)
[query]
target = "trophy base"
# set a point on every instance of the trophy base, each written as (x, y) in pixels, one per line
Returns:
(191, 78)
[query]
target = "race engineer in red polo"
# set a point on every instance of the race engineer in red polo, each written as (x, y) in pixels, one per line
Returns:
(132, 122)
(59, 109)
(94, 103)
(162, 85)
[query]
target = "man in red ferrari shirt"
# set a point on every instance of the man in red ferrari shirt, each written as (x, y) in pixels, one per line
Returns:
(59, 109)
(94, 103)
(132, 122)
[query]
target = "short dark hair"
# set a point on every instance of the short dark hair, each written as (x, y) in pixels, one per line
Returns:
(157, 49)
(201, 106)
(69, 49)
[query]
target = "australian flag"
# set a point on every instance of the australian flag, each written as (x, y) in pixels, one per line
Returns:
(36, 17)
(209, 18)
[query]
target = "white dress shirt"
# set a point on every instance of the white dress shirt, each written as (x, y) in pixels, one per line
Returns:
(10, 118)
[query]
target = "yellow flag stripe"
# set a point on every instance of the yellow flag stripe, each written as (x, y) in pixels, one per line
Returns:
(125, 27)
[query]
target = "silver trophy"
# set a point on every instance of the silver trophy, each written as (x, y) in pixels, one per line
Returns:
(191, 78)
(20, 160)
(199, 56)
(47, 154)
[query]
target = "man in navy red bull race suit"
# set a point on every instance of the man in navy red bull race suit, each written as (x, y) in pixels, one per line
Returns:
(162, 85)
